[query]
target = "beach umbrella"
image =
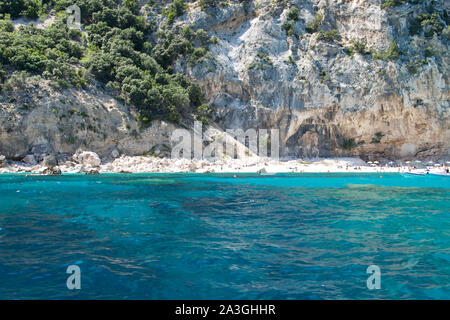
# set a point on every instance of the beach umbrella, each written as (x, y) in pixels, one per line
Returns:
(408, 162)
(369, 162)
(418, 161)
(437, 165)
(376, 162)
(430, 162)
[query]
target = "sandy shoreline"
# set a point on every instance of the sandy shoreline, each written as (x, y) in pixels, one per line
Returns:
(141, 164)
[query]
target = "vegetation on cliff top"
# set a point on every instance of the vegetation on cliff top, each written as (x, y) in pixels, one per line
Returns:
(50, 52)
(114, 50)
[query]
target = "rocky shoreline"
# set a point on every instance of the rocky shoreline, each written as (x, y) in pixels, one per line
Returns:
(88, 162)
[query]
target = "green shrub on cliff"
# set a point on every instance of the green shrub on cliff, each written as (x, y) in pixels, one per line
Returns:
(176, 9)
(289, 28)
(314, 25)
(428, 23)
(206, 3)
(377, 137)
(203, 113)
(392, 3)
(349, 144)
(293, 14)
(392, 53)
(414, 65)
(173, 44)
(115, 52)
(46, 51)
(446, 33)
(329, 36)
(357, 46)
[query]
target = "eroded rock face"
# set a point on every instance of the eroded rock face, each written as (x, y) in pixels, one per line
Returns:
(61, 122)
(325, 101)
(29, 159)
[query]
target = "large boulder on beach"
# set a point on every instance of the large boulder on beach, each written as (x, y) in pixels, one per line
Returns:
(29, 159)
(50, 161)
(87, 158)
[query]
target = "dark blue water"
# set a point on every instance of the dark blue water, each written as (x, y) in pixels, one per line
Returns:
(306, 236)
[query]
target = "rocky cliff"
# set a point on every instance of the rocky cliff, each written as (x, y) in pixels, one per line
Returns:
(324, 99)
(37, 119)
(336, 77)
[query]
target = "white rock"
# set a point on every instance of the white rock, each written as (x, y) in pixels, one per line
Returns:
(87, 158)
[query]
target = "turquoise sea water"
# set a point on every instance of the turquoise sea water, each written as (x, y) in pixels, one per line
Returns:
(187, 236)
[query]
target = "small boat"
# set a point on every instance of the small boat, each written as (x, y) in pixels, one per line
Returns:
(417, 173)
(441, 174)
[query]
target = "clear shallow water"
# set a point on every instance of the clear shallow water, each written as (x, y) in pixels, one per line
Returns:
(305, 236)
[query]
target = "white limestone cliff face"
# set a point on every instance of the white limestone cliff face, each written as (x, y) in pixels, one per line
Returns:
(324, 101)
